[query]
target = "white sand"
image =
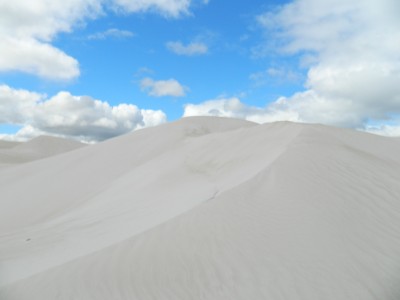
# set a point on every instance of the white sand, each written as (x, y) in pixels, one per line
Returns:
(8, 144)
(41, 147)
(206, 208)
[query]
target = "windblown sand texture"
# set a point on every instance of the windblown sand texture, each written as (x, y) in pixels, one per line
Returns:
(206, 208)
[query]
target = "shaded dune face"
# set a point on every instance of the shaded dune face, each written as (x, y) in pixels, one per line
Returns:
(206, 208)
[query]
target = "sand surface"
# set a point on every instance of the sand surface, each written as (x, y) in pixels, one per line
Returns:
(8, 144)
(206, 208)
(41, 147)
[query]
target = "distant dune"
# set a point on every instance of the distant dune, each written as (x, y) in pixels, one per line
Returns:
(37, 148)
(8, 144)
(204, 208)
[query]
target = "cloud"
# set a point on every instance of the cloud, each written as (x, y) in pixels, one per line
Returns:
(79, 117)
(16, 105)
(275, 75)
(303, 107)
(234, 108)
(353, 63)
(37, 58)
(28, 28)
(111, 33)
(352, 56)
(191, 49)
(143, 71)
(161, 88)
(168, 8)
(306, 107)
(386, 130)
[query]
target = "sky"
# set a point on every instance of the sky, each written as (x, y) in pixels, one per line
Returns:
(95, 69)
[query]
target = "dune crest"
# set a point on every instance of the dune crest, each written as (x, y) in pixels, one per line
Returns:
(206, 208)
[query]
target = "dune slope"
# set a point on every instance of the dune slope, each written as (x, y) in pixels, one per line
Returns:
(8, 144)
(206, 208)
(41, 147)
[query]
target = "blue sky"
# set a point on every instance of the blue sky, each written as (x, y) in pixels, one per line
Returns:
(91, 69)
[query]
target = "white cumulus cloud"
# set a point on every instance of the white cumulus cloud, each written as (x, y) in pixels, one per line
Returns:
(191, 49)
(162, 88)
(66, 115)
(354, 67)
(234, 108)
(352, 52)
(38, 58)
(28, 28)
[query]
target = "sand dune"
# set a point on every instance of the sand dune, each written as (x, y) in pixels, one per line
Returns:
(8, 144)
(37, 148)
(206, 208)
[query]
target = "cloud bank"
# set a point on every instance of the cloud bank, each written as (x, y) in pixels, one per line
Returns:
(79, 117)
(352, 53)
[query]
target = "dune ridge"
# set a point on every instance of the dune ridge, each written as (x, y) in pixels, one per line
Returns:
(206, 208)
